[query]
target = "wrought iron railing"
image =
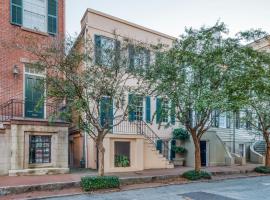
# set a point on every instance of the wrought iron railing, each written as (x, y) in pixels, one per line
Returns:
(140, 127)
(16, 109)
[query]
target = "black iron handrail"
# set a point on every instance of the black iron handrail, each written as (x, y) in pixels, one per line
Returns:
(15, 109)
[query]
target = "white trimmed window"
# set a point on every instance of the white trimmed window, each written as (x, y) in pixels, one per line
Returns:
(35, 14)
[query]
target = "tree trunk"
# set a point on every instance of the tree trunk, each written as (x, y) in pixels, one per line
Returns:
(197, 155)
(267, 155)
(101, 151)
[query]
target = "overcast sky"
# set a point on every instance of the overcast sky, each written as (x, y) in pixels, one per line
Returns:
(172, 16)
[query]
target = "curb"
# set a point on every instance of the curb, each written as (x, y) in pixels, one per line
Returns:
(123, 181)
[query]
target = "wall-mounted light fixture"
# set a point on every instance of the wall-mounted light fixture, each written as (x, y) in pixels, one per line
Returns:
(16, 71)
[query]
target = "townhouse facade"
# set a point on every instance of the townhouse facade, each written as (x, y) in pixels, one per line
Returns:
(226, 143)
(29, 143)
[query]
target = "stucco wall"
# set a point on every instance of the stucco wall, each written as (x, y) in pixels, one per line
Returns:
(14, 147)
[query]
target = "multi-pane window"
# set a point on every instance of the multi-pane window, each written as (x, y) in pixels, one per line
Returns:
(139, 57)
(35, 14)
(39, 149)
(138, 107)
(39, 15)
(222, 120)
(165, 110)
(105, 50)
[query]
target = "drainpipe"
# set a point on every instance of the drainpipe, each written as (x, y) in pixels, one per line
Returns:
(85, 152)
(234, 124)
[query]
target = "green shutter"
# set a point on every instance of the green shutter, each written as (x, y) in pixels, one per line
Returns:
(158, 110)
(159, 146)
(172, 113)
(97, 49)
(148, 109)
(131, 52)
(52, 16)
(117, 53)
(148, 55)
(106, 111)
(131, 113)
(16, 11)
(173, 144)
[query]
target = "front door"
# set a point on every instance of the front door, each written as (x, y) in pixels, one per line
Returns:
(34, 91)
(173, 144)
(203, 152)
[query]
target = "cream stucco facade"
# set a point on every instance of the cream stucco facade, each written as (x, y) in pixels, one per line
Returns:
(220, 142)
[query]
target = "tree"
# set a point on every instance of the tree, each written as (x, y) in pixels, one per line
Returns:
(194, 75)
(94, 79)
(252, 87)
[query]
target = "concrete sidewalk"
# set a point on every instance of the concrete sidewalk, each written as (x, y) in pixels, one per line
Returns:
(21, 184)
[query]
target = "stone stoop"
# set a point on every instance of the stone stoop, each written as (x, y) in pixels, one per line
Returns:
(158, 160)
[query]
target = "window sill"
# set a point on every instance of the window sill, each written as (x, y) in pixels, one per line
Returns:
(35, 31)
(44, 165)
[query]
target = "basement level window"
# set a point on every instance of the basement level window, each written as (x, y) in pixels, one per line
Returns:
(40, 149)
(122, 154)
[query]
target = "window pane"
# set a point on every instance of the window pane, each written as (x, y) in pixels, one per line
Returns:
(40, 149)
(34, 14)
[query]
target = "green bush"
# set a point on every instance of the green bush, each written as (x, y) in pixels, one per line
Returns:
(180, 150)
(194, 175)
(90, 183)
(121, 161)
(263, 170)
(180, 134)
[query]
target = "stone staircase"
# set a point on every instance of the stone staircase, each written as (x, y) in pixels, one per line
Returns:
(260, 147)
(154, 158)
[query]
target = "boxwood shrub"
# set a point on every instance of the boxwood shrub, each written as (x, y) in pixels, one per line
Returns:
(90, 183)
(195, 175)
(180, 134)
(263, 170)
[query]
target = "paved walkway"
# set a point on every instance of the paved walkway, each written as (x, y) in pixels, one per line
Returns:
(7, 181)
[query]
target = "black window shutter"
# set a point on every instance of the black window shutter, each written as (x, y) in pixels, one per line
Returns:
(16, 11)
(52, 16)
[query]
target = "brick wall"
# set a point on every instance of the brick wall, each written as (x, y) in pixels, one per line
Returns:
(10, 86)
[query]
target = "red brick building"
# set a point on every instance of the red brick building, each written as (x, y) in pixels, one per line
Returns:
(28, 142)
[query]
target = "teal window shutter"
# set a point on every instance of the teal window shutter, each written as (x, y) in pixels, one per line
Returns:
(97, 49)
(106, 111)
(148, 55)
(52, 16)
(159, 146)
(131, 52)
(172, 113)
(16, 11)
(131, 113)
(158, 110)
(148, 109)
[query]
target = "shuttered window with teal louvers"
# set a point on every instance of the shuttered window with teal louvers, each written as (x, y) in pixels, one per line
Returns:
(172, 113)
(148, 109)
(158, 110)
(52, 16)
(131, 110)
(106, 112)
(16, 12)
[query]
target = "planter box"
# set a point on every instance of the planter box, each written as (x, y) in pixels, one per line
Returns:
(178, 161)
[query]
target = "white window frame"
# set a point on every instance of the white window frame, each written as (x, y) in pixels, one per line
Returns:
(45, 14)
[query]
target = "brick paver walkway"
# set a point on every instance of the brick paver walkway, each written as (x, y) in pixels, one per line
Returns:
(6, 181)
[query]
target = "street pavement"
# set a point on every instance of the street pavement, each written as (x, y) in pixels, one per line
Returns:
(257, 188)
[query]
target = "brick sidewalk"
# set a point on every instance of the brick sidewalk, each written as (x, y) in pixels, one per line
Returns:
(7, 181)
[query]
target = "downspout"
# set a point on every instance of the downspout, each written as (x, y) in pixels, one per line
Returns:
(85, 148)
(234, 124)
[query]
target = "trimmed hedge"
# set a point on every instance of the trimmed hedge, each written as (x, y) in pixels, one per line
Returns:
(180, 150)
(90, 183)
(180, 134)
(194, 175)
(263, 170)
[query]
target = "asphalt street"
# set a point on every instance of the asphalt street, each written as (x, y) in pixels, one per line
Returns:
(235, 189)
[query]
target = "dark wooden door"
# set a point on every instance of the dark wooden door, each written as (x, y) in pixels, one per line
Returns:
(203, 152)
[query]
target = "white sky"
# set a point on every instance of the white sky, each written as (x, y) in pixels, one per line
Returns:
(172, 16)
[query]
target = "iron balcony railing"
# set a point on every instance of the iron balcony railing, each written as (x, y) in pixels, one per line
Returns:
(18, 109)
